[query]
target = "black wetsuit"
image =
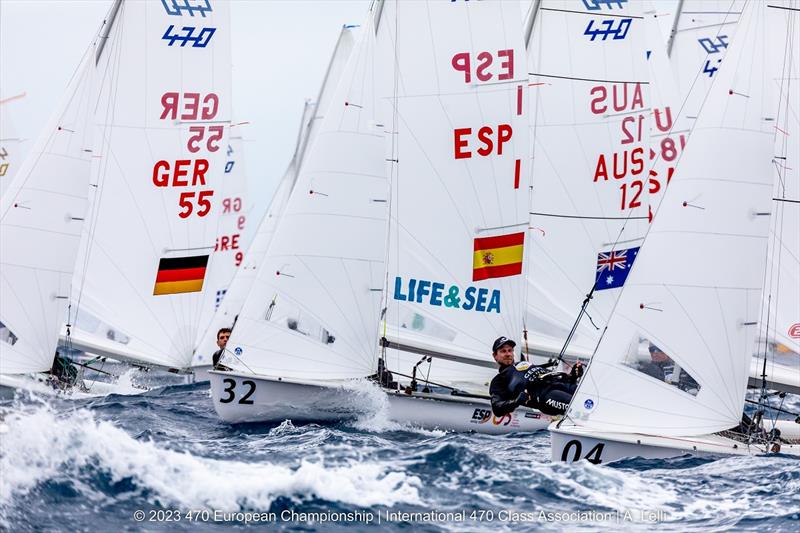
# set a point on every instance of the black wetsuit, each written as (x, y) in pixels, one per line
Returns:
(549, 392)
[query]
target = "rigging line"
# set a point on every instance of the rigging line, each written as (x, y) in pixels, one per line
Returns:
(778, 409)
(708, 26)
(110, 75)
(589, 14)
(592, 80)
(227, 351)
(784, 8)
(394, 173)
(449, 387)
(584, 305)
(555, 215)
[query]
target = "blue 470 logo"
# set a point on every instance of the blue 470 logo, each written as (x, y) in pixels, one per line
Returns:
(176, 8)
(713, 48)
(597, 5)
(616, 33)
(200, 40)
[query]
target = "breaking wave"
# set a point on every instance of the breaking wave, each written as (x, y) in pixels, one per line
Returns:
(39, 446)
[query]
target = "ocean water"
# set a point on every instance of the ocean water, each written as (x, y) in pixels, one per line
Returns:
(102, 464)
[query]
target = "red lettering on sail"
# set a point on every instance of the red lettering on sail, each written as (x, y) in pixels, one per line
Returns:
(622, 98)
(227, 242)
(486, 65)
(489, 138)
(190, 106)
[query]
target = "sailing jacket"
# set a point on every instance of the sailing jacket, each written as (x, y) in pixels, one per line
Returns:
(512, 381)
(507, 390)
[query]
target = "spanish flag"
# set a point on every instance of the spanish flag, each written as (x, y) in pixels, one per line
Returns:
(497, 257)
(180, 274)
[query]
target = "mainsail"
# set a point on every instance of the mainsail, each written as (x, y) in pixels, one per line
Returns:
(313, 309)
(41, 214)
(151, 228)
(590, 126)
(690, 304)
(313, 113)
(459, 202)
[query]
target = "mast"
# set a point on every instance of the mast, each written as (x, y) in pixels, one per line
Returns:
(674, 27)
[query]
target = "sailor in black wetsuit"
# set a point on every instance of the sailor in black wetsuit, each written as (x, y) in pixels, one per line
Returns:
(529, 385)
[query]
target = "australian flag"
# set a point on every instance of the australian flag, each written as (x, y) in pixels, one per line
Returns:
(613, 267)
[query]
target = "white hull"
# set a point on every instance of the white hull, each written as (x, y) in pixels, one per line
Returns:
(200, 374)
(37, 384)
(241, 397)
(570, 444)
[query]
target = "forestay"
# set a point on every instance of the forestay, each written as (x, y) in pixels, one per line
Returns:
(459, 205)
(152, 224)
(590, 125)
(675, 357)
(42, 213)
(314, 307)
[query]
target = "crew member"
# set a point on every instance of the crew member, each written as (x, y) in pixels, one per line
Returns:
(529, 385)
(222, 340)
(63, 373)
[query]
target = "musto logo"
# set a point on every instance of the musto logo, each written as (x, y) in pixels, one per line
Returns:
(481, 416)
(794, 331)
(434, 293)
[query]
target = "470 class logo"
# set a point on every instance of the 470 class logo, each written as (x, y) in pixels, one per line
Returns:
(481, 416)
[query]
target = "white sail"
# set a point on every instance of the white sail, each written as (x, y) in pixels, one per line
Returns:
(313, 310)
(702, 34)
(42, 213)
(779, 334)
(236, 293)
(338, 62)
(691, 302)
(152, 223)
(229, 248)
(10, 142)
(669, 126)
(590, 119)
(459, 206)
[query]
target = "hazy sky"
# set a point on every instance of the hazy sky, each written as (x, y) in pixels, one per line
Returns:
(280, 52)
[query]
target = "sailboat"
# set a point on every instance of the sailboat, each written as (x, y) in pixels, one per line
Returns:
(45, 204)
(308, 332)
(147, 248)
(692, 299)
(234, 296)
(697, 49)
(591, 115)
(154, 129)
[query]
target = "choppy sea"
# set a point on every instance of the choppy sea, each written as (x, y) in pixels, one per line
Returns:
(163, 460)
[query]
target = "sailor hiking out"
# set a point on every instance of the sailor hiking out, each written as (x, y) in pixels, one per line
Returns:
(530, 385)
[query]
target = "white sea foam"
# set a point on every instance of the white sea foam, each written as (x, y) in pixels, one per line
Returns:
(374, 410)
(42, 445)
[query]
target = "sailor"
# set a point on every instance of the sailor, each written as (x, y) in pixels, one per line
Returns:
(222, 340)
(63, 373)
(529, 385)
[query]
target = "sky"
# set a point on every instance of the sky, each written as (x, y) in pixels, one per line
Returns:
(281, 50)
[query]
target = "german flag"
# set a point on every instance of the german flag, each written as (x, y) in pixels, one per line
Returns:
(497, 257)
(180, 274)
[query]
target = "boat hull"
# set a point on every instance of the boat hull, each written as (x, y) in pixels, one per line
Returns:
(570, 444)
(10, 384)
(242, 397)
(200, 374)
